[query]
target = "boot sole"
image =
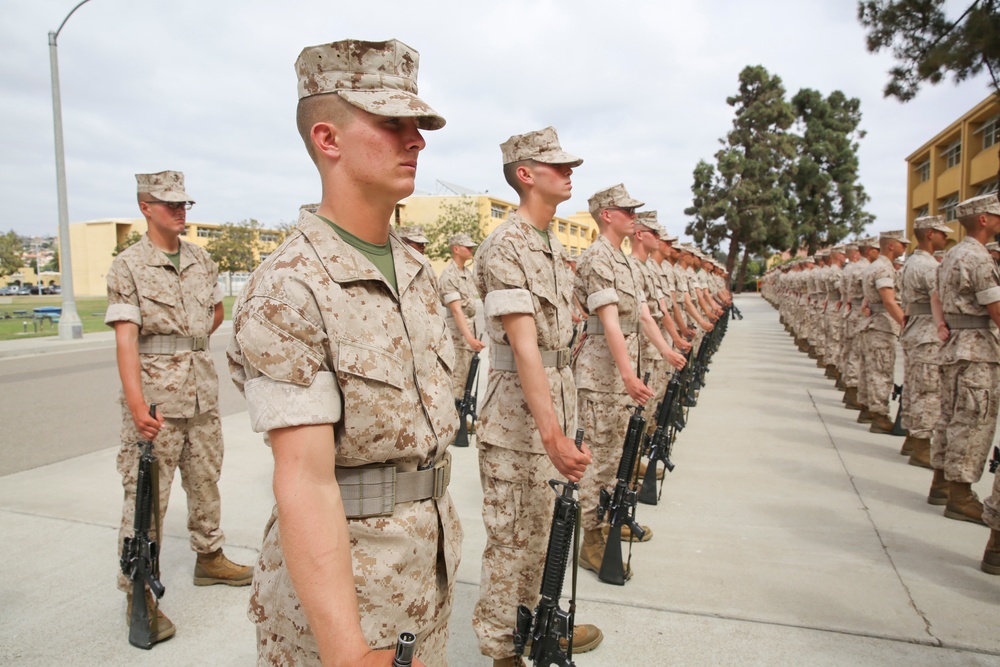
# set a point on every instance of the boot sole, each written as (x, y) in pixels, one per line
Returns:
(920, 464)
(597, 570)
(211, 581)
(940, 502)
(989, 569)
(878, 429)
(958, 516)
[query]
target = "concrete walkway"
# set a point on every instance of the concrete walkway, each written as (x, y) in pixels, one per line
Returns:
(787, 535)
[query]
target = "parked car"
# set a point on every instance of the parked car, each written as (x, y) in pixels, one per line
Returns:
(24, 290)
(8, 290)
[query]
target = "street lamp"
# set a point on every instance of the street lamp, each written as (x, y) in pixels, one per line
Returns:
(70, 326)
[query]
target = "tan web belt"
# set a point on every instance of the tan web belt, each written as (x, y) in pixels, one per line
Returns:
(857, 303)
(968, 321)
(595, 328)
(172, 344)
(502, 358)
(375, 490)
(918, 309)
(877, 308)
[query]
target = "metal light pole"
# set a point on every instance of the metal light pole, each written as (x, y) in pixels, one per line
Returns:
(70, 326)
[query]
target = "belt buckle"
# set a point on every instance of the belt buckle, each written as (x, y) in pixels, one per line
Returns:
(442, 477)
(562, 358)
(199, 343)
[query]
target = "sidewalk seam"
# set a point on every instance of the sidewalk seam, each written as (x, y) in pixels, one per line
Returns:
(868, 515)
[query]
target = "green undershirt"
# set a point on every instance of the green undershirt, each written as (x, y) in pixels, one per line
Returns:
(378, 254)
(544, 233)
(175, 258)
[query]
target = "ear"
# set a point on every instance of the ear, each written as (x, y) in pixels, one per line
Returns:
(524, 175)
(326, 139)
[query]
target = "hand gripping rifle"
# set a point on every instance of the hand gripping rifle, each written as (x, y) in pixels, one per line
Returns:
(619, 504)
(661, 443)
(405, 645)
(897, 426)
(140, 553)
(548, 624)
(467, 405)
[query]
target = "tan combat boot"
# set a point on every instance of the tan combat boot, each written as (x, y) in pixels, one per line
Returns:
(512, 661)
(586, 638)
(660, 470)
(215, 568)
(921, 454)
(592, 550)
(907, 447)
(865, 417)
(160, 627)
(880, 423)
(938, 495)
(963, 503)
(991, 557)
(851, 399)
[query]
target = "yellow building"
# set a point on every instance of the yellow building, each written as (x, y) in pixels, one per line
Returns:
(960, 162)
(91, 245)
(576, 232)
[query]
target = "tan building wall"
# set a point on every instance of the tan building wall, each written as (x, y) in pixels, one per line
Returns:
(91, 245)
(960, 162)
(576, 232)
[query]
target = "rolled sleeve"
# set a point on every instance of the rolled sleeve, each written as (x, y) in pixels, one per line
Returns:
(882, 283)
(602, 298)
(273, 404)
(217, 293)
(988, 296)
(449, 297)
(508, 302)
(123, 312)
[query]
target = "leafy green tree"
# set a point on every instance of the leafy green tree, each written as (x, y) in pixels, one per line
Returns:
(927, 44)
(828, 199)
(130, 240)
(10, 253)
(455, 217)
(237, 246)
(751, 189)
(53, 264)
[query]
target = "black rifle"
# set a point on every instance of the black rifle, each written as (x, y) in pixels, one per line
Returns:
(140, 553)
(897, 426)
(404, 650)
(548, 624)
(467, 405)
(661, 443)
(619, 505)
(696, 378)
(736, 311)
(995, 461)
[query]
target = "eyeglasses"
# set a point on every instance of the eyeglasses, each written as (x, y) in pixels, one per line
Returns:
(175, 205)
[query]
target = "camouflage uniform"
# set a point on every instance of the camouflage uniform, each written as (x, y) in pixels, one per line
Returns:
(455, 284)
(517, 272)
(967, 282)
(605, 275)
(650, 359)
(321, 338)
(146, 289)
(854, 291)
(878, 346)
(922, 395)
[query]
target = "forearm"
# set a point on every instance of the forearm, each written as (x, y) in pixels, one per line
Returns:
(668, 322)
(616, 340)
(520, 330)
(129, 368)
(220, 313)
(693, 312)
(888, 295)
(652, 332)
(316, 541)
(463, 325)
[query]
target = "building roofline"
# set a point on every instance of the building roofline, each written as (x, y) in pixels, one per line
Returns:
(992, 99)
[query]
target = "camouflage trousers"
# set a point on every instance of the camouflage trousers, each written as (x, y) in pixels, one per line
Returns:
(605, 418)
(463, 360)
(991, 506)
(851, 353)
(968, 419)
(921, 392)
(193, 445)
(517, 513)
(878, 359)
(834, 329)
(659, 375)
(277, 651)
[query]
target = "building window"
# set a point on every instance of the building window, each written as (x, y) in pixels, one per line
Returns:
(204, 233)
(562, 227)
(267, 237)
(948, 207)
(498, 211)
(264, 255)
(991, 131)
(953, 154)
(924, 170)
(987, 189)
(922, 212)
(574, 230)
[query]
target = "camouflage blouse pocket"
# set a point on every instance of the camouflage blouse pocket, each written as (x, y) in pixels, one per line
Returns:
(372, 382)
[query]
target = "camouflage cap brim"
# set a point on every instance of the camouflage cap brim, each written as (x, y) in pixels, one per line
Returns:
(395, 104)
(558, 157)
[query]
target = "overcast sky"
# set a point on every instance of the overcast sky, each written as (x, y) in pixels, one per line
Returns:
(208, 87)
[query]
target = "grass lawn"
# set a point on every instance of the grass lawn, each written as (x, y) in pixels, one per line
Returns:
(91, 312)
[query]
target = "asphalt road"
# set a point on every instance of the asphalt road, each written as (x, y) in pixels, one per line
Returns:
(57, 406)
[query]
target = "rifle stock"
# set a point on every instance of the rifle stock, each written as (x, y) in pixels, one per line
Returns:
(660, 443)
